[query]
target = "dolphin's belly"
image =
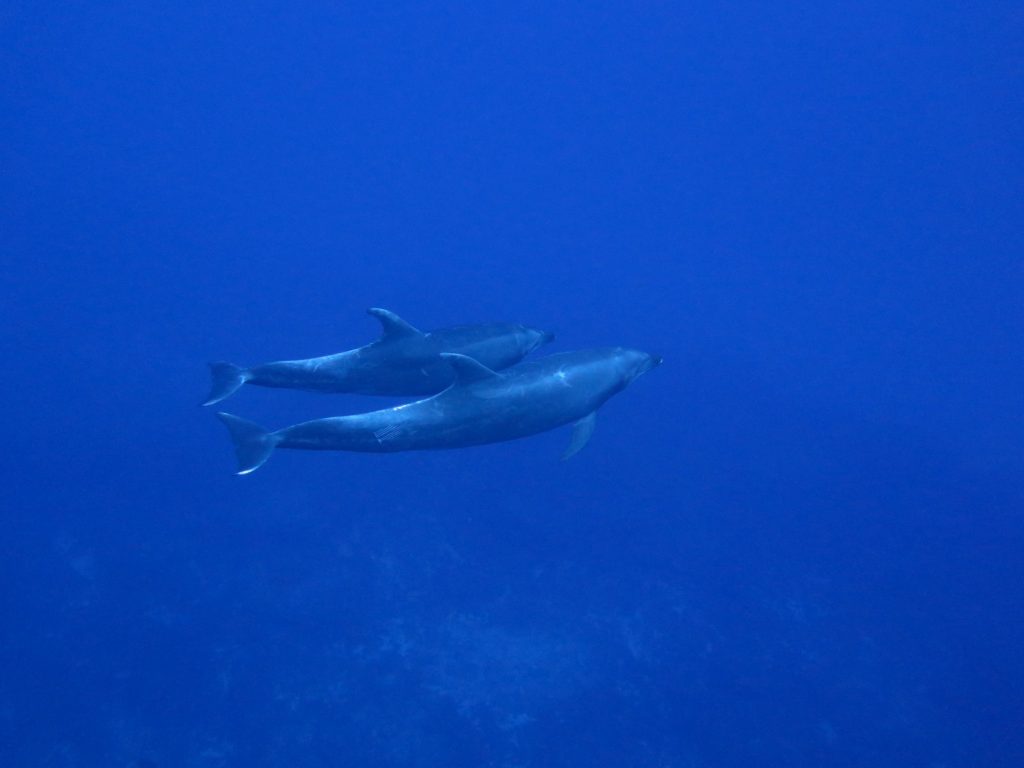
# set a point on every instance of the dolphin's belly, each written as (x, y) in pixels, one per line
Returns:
(400, 380)
(358, 373)
(454, 419)
(458, 422)
(321, 374)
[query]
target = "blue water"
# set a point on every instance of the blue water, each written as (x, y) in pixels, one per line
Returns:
(799, 542)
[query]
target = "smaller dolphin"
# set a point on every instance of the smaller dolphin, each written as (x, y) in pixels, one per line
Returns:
(403, 361)
(481, 406)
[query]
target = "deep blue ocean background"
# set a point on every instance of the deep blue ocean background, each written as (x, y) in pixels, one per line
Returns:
(799, 542)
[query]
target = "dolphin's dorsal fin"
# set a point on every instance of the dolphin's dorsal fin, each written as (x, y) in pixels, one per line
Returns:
(581, 432)
(393, 326)
(467, 370)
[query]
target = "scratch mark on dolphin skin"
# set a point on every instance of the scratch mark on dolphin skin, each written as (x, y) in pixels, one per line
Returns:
(386, 433)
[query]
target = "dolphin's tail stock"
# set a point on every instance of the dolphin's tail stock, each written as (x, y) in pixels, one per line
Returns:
(253, 444)
(227, 377)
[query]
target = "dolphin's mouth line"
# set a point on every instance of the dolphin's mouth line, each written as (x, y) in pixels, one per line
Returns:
(652, 362)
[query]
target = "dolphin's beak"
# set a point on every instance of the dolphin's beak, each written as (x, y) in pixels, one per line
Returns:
(543, 337)
(651, 361)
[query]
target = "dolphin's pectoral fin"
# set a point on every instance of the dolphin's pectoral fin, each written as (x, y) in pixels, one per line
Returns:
(467, 370)
(581, 432)
(393, 326)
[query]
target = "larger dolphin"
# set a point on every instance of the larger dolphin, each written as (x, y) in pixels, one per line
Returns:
(403, 361)
(481, 406)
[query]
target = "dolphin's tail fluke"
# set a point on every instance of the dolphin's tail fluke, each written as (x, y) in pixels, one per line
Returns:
(227, 377)
(253, 444)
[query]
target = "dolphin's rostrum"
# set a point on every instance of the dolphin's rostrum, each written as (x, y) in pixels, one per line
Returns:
(481, 406)
(403, 361)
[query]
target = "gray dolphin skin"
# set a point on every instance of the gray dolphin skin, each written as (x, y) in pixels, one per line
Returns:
(481, 406)
(403, 361)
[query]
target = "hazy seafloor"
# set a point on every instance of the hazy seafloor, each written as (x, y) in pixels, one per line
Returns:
(474, 627)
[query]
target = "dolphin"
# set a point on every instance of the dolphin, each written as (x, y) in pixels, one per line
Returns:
(403, 361)
(481, 406)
